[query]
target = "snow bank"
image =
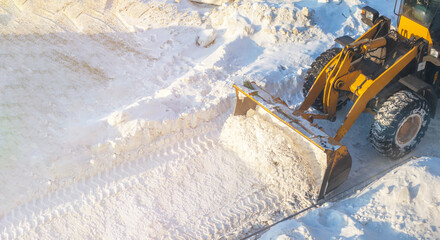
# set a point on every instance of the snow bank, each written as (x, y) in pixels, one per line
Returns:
(268, 22)
(403, 204)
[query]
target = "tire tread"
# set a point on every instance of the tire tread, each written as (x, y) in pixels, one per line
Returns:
(386, 122)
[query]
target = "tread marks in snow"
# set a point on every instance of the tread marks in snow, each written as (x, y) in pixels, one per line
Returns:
(91, 191)
(223, 222)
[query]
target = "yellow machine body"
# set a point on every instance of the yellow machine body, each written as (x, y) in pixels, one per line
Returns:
(318, 149)
(342, 75)
(408, 28)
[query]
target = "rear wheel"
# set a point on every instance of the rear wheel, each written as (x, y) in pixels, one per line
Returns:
(316, 68)
(400, 124)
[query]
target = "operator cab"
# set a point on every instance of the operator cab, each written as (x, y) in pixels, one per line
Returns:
(434, 29)
(420, 18)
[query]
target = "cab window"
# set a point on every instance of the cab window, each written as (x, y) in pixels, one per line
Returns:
(421, 11)
(434, 30)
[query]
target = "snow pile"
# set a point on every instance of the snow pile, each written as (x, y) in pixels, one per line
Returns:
(403, 204)
(268, 150)
(268, 22)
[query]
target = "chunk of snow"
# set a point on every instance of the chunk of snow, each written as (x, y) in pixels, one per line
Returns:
(206, 37)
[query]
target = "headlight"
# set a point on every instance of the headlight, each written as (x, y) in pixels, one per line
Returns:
(433, 52)
(369, 15)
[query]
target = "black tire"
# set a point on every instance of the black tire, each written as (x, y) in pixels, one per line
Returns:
(400, 124)
(313, 73)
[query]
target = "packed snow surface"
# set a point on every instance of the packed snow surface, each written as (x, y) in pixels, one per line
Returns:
(115, 120)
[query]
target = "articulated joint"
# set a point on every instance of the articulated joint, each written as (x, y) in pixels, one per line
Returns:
(339, 84)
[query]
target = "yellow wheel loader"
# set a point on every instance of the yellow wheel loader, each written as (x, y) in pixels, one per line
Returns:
(390, 73)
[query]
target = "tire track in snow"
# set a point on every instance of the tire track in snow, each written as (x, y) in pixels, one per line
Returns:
(54, 64)
(232, 221)
(86, 192)
(229, 221)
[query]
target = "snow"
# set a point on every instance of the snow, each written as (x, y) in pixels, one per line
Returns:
(286, 171)
(206, 37)
(402, 204)
(116, 124)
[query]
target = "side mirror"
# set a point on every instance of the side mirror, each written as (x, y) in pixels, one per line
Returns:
(369, 16)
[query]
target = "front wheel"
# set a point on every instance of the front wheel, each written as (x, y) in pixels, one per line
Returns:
(400, 124)
(314, 71)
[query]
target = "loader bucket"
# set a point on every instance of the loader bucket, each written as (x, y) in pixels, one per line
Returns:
(329, 160)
